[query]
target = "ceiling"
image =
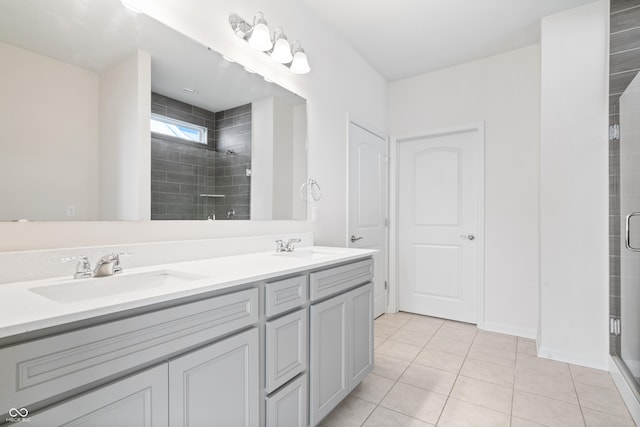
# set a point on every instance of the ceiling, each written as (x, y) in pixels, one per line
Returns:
(409, 37)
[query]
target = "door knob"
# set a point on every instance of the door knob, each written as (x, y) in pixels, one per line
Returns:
(468, 236)
(355, 239)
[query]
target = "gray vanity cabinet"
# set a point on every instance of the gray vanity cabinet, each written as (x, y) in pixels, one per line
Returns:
(136, 401)
(216, 385)
(341, 335)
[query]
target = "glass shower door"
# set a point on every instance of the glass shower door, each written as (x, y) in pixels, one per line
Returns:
(630, 224)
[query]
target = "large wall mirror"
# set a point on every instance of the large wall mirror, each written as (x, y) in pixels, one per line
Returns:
(107, 114)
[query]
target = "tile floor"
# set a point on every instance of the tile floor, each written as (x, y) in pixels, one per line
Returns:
(434, 372)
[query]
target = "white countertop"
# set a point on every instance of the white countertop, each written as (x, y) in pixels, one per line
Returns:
(25, 310)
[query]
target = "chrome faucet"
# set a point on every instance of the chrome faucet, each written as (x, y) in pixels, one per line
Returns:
(83, 269)
(109, 265)
(287, 246)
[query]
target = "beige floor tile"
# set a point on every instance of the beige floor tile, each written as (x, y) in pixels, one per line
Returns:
(461, 414)
(429, 378)
(602, 399)
(351, 412)
(495, 340)
(519, 422)
(440, 360)
(461, 325)
(377, 342)
(493, 355)
(546, 411)
(482, 393)
(389, 367)
(487, 371)
(383, 417)
(459, 348)
(373, 388)
(558, 388)
(411, 337)
(545, 366)
(526, 346)
(399, 350)
(382, 331)
(391, 320)
(456, 333)
(415, 402)
(594, 377)
(600, 419)
(423, 327)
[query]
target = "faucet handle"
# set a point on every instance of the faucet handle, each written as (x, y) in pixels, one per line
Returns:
(280, 247)
(291, 244)
(83, 268)
(116, 257)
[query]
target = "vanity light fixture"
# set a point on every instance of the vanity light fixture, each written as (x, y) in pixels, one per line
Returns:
(278, 48)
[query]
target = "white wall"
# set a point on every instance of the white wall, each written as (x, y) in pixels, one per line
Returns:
(503, 91)
(125, 143)
(574, 186)
(340, 81)
(49, 124)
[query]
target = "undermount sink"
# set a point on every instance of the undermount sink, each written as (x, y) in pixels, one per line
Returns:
(86, 289)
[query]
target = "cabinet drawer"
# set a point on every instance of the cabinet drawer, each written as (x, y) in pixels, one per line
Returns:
(285, 295)
(288, 407)
(334, 280)
(286, 348)
(36, 370)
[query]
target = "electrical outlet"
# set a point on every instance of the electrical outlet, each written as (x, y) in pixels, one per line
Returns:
(71, 210)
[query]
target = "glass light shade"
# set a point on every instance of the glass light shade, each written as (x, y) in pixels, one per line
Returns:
(260, 38)
(300, 65)
(282, 51)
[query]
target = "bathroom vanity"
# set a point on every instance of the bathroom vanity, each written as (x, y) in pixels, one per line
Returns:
(250, 340)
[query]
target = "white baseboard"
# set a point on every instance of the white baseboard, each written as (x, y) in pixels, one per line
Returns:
(573, 358)
(625, 391)
(509, 330)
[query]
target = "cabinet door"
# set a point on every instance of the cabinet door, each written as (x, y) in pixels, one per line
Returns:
(328, 356)
(360, 305)
(288, 406)
(286, 348)
(136, 401)
(216, 385)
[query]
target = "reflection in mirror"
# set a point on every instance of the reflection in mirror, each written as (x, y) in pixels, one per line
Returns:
(110, 115)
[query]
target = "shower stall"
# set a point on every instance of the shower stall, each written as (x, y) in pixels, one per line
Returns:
(626, 325)
(624, 188)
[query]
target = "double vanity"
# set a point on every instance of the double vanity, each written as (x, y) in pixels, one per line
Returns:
(261, 339)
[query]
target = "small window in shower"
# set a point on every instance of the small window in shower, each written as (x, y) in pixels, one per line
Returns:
(178, 128)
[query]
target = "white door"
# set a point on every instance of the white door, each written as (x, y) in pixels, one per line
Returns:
(367, 204)
(440, 185)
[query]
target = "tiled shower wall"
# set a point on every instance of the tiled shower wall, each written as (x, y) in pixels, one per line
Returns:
(182, 171)
(624, 62)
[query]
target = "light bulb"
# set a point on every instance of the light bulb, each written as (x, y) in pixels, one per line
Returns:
(260, 38)
(282, 51)
(300, 65)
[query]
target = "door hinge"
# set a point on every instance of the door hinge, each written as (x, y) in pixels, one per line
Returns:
(386, 286)
(386, 159)
(386, 222)
(614, 326)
